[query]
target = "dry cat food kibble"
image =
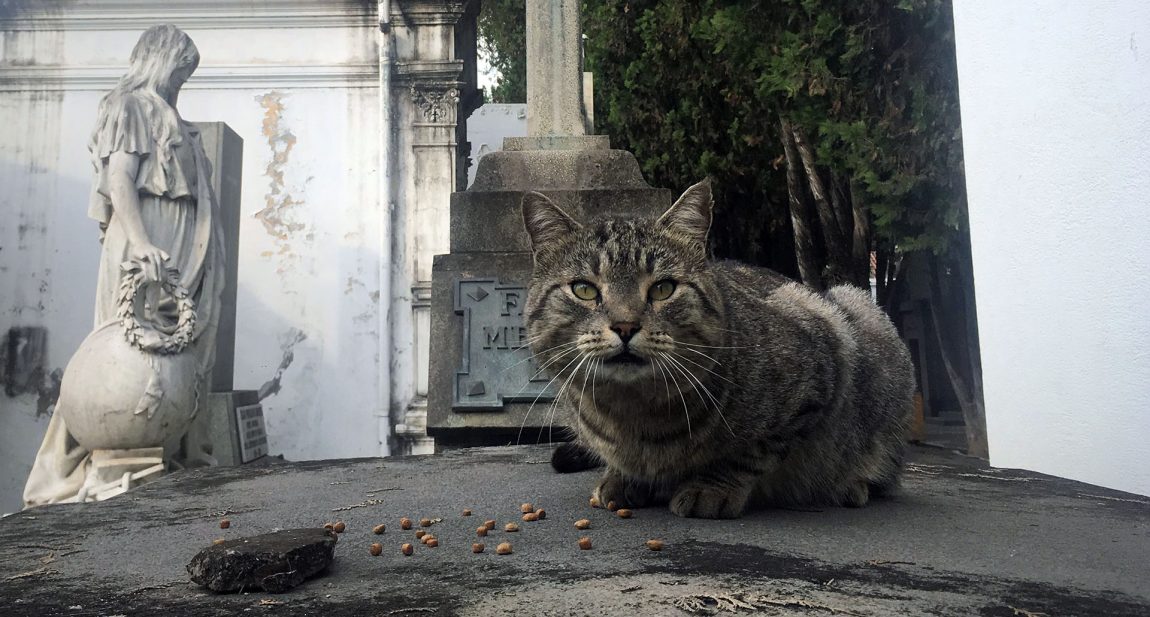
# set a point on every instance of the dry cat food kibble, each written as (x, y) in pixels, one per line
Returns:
(425, 522)
(405, 523)
(427, 538)
(582, 524)
(655, 545)
(504, 548)
(525, 508)
(375, 549)
(224, 524)
(541, 513)
(595, 502)
(611, 506)
(584, 544)
(419, 534)
(489, 525)
(339, 527)
(623, 513)
(477, 548)
(433, 542)
(378, 529)
(511, 528)
(530, 517)
(329, 526)
(481, 530)
(218, 541)
(466, 512)
(407, 549)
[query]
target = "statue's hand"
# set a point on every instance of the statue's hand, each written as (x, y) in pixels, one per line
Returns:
(152, 259)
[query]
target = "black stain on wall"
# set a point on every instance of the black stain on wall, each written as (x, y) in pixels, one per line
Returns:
(23, 367)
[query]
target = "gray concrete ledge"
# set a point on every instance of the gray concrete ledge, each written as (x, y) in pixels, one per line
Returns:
(960, 539)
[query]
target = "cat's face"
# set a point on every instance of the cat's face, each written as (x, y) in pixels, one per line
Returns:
(629, 302)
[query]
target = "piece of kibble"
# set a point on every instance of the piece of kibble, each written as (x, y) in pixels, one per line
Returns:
(582, 524)
(224, 524)
(477, 548)
(432, 543)
(375, 549)
(530, 517)
(623, 513)
(329, 526)
(466, 512)
(407, 549)
(489, 525)
(378, 529)
(481, 530)
(405, 523)
(419, 534)
(504, 548)
(525, 508)
(585, 544)
(595, 502)
(427, 538)
(339, 527)
(611, 506)
(425, 522)
(218, 541)
(541, 513)
(655, 545)
(511, 527)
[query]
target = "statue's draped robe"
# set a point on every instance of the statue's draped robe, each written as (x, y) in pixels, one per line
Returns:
(177, 209)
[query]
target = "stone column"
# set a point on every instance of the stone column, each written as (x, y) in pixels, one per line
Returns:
(432, 91)
(554, 68)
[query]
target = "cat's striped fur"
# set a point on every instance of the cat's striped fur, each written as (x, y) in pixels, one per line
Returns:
(739, 385)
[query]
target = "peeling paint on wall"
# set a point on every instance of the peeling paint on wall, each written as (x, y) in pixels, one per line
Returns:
(292, 338)
(279, 204)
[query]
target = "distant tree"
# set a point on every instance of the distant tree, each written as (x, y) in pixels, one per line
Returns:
(503, 40)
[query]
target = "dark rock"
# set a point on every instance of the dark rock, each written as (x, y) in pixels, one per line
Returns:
(274, 562)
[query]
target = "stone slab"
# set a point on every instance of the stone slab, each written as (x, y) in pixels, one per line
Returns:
(960, 539)
(492, 221)
(274, 562)
(540, 170)
(557, 142)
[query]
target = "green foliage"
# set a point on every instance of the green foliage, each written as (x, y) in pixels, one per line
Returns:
(503, 40)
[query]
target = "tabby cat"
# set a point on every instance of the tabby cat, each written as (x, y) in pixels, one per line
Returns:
(711, 385)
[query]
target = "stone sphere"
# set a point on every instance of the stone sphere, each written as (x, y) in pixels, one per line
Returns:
(108, 384)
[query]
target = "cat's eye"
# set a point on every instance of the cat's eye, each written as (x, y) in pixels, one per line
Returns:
(584, 290)
(661, 290)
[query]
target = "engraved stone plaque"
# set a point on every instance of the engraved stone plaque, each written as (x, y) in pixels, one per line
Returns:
(253, 435)
(496, 365)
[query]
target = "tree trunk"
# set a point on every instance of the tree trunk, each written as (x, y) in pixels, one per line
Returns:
(837, 252)
(860, 241)
(800, 213)
(965, 377)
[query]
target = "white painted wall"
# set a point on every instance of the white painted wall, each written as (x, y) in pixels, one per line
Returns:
(487, 127)
(1056, 124)
(298, 81)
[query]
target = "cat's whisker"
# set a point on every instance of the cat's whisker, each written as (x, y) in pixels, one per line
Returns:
(696, 351)
(686, 359)
(686, 413)
(710, 395)
(716, 346)
(544, 389)
(559, 399)
(541, 352)
(666, 384)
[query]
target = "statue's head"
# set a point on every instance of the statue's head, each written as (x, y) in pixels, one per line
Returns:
(162, 61)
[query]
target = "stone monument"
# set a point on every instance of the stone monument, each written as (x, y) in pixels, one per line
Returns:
(485, 388)
(138, 380)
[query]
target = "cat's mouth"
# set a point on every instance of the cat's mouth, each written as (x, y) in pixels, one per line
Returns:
(625, 357)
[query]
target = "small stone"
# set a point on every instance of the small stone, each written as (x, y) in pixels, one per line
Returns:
(584, 544)
(504, 548)
(224, 524)
(623, 513)
(376, 549)
(378, 529)
(339, 527)
(582, 524)
(477, 547)
(407, 549)
(655, 545)
(274, 562)
(511, 528)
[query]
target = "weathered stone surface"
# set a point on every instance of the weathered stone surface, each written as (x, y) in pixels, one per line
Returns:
(275, 562)
(554, 68)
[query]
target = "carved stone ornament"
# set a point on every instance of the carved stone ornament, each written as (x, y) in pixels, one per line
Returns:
(436, 103)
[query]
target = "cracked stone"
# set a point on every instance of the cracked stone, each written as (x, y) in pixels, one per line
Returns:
(274, 562)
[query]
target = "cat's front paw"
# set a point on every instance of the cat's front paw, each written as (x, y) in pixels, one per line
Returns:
(625, 493)
(694, 500)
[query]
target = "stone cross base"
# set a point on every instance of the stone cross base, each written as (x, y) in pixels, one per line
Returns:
(114, 472)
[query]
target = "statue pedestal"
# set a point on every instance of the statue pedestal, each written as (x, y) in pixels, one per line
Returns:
(114, 472)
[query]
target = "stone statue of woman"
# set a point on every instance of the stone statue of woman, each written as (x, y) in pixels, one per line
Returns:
(161, 242)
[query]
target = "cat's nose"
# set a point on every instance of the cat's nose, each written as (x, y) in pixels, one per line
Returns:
(625, 329)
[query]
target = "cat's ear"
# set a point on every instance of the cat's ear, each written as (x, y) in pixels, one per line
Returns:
(544, 221)
(690, 217)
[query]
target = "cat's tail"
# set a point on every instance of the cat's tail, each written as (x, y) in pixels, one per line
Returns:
(570, 457)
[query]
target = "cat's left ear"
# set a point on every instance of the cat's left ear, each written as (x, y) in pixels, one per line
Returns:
(690, 217)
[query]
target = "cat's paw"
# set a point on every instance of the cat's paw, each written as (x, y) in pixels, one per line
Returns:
(695, 500)
(625, 493)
